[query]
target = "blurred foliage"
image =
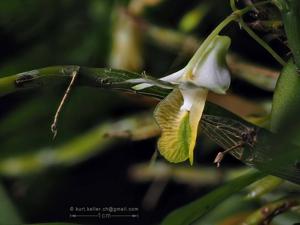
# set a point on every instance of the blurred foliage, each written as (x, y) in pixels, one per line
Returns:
(199, 208)
(36, 34)
(8, 213)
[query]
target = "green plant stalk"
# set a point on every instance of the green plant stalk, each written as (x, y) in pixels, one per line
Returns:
(256, 37)
(232, 5)
(236, 15)
(262, 42)
(47, 76)
(93, 77)
(7, 84)
(291, 20)
(265, 214)
(266, 158)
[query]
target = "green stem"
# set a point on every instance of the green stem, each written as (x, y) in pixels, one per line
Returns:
(237, 14)
(232, 5)
(256, 37)
(208, 40)
(266, 214)
(93, 77)
(261, 42)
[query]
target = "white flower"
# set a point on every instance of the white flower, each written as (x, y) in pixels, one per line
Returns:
(209, 71)
(178, 115)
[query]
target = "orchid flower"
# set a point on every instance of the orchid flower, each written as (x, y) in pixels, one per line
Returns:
(178, 115)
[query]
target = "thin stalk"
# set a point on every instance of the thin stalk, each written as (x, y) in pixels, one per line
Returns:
(208, 40)
(232, 5)
(237, 14)
(256, 37)
(261, 42)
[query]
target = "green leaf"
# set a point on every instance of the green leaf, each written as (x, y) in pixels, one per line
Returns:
(199, 208)
(284, 96)
(275, 155)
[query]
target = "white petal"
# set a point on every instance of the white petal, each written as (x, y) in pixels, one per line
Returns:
(174, 77)
(211, 71)
(189, 94)
(141, 86)
(212, 76)
(188, 97)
